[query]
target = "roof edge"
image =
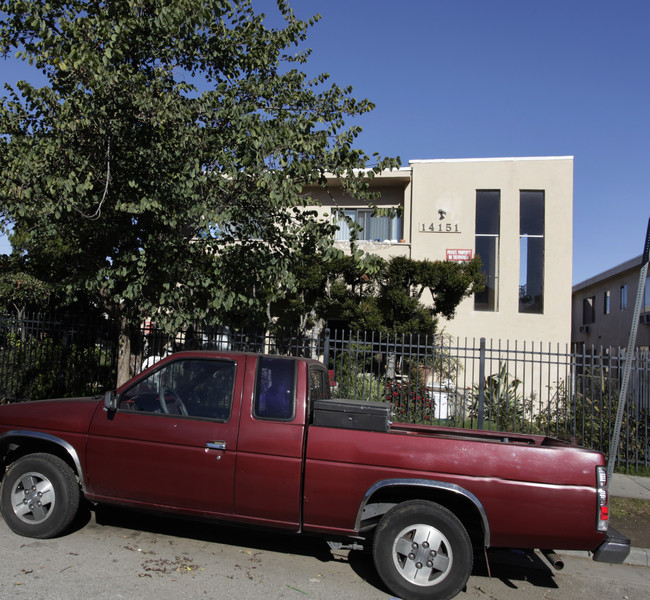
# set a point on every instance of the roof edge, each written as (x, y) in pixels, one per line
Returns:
(493, 159)
(617, 270)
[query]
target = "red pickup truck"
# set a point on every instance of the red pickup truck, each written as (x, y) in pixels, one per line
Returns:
(255, 439)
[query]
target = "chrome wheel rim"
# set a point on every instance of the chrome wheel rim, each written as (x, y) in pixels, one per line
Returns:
(422, 555)
(33, 498)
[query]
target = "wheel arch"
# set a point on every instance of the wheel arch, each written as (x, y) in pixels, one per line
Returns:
(18, 443)
(385, 494)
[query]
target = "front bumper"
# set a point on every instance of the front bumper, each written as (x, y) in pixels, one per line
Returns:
(614, 549)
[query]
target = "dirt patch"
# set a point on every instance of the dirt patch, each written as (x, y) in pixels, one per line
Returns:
(631, 517)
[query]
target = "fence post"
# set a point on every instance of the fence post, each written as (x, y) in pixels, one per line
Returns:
(481, 383)
(326, 347)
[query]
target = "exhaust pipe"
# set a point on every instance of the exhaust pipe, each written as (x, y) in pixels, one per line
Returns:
(554, 560)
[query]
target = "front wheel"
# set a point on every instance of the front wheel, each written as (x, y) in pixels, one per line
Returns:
(39, 496)
(422, 551)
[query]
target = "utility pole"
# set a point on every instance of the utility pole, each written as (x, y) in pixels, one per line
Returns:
(629, 356)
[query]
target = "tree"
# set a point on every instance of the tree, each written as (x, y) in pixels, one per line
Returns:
(373, 294)
(19, 289)
(169, 152)
(400, 294)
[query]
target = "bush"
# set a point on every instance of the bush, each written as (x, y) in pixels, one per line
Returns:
(362, 386)
(504, 408)
(411, 402)
(589, 418)
(353, 373)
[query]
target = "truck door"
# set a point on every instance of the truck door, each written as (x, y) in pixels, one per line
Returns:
(271, 444)
(172, 442)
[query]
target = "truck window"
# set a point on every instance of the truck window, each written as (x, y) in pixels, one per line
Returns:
(319, 388)
(275, 389)
(195, 388)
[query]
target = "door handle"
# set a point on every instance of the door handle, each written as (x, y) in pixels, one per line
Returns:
(217, 445)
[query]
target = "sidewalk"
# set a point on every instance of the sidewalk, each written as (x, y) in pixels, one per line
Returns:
(629, 486)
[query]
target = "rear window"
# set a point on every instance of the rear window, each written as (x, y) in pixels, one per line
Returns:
(275, 389)
(319, 385)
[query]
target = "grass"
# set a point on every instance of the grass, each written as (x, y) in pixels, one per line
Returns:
(625, 508)
(640, 471)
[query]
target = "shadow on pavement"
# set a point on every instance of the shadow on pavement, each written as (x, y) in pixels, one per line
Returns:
(249, 537)
(508, 566)
(241, 537)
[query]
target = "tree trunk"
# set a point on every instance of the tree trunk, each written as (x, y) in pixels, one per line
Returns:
(20, 314)
(124, 354)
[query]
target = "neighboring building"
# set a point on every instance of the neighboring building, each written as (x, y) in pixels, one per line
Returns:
(603, 308)
(516, 213)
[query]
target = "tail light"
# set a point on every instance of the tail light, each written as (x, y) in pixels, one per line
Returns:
(602, 518)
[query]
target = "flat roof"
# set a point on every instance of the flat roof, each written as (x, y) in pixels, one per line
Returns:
(494, 159)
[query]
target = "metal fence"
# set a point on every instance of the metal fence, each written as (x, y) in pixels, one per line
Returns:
(44, 356)
(520, 388)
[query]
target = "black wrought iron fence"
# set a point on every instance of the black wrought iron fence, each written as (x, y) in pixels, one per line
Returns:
(528, 388)
(53, 356)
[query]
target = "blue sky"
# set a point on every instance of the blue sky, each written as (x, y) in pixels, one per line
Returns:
(501, 78)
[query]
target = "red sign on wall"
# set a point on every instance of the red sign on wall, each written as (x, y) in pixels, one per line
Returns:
(457, 255)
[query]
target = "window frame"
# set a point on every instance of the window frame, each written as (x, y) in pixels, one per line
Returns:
(589, 310)
(156, 375)
(323, 381)
(623, 298)
(532, 250)
(256, 392)
(395, 224)
(490, 237)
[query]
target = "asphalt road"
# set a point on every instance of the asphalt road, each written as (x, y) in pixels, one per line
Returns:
(122, 555)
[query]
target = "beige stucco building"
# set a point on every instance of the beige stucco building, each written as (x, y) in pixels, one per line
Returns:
(516, 213)
(603, 308)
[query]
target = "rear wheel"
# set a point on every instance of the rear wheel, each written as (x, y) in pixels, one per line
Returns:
(39, 496)
(422, 551)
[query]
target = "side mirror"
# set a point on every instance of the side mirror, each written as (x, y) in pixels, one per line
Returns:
(110, 401)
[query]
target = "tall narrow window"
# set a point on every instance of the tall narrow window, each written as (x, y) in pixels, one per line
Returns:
(589, 310)
(624, 297)
(607, 302)
(486, 241)
(531, 251)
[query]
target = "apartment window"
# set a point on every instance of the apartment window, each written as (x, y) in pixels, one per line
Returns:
(607, 302)
(374, 227)
(646, 296)
(531, 251)
(589, 310)
(624, 297)
(486, 242)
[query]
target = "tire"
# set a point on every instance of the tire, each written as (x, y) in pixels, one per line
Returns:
(39, 496)
(422, 551)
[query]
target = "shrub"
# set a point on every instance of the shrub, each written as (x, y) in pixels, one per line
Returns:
(411, 402)
(504, 407)
(588, 418)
